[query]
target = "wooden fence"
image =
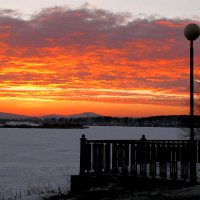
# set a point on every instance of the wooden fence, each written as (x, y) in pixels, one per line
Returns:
(168, 159)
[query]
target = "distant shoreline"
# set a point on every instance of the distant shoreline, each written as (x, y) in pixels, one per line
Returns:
(84, 127)
(68, 126)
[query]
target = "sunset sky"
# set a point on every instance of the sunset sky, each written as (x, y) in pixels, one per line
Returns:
(112, 57)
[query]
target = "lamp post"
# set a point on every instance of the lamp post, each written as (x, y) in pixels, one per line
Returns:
(192, 32)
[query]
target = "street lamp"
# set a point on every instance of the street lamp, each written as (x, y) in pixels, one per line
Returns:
(192, 32)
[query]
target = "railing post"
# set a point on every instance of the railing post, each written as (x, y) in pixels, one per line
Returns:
(82, 154)
(143, 155)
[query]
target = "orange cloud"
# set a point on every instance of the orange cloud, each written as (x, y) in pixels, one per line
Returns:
(67, 61)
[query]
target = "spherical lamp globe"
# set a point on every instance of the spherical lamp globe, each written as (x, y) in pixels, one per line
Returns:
(192, 31)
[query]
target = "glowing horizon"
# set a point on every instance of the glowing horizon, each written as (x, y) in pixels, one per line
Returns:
(64, 61)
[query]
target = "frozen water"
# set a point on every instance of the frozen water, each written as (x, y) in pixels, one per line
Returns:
(31, 157)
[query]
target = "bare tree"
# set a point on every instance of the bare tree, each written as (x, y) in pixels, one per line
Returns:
(186, 121)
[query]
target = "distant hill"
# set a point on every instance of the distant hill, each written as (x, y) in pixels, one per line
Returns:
(52, 116)
(93, 119)
(81, 115)
(12, 116)
(84, 115)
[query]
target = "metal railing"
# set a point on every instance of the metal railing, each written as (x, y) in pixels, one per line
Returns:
(167, 159)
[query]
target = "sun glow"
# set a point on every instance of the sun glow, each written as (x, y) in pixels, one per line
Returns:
(104, 64)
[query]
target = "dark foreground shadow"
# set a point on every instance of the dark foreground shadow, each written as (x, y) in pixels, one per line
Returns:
(141, 188)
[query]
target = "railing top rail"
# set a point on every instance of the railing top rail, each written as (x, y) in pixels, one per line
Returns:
(138, 141)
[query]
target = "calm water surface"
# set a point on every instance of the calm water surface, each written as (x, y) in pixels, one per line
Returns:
(48, 156)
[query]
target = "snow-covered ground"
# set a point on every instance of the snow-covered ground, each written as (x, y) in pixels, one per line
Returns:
(15, 123)
(32, 157)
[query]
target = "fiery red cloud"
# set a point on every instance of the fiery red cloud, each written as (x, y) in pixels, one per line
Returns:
(67, 61)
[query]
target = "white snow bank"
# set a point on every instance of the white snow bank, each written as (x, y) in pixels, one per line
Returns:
(14, 123)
